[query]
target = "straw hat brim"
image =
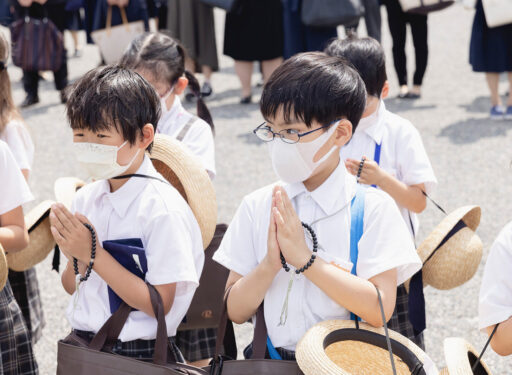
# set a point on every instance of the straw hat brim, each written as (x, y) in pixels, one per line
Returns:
(4, 270)
(458, 353)
(457, 265)
(186, 173)
(312, 356)
(41, 240)
(65, 189)
(457, 260)
(470, 215)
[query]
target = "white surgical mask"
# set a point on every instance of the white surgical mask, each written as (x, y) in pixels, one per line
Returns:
(163, 101)
(294, 162)
(100, 161)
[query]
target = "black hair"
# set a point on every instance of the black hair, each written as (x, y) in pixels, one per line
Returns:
(113, 96)
(164, 57)
(313, 86)
(367, 56)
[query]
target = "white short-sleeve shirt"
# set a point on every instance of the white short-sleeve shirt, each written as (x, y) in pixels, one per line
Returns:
(198, 138)
(495, 302)
(402, 152)
(16, 135)
(386, 244)
(154, 212)
(14, 190)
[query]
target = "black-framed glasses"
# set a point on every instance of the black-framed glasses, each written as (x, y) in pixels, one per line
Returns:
(291, 136)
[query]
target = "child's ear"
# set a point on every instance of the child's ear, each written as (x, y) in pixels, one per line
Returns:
(148, 135)
(343, 133)
(180, 85)
(385, 90)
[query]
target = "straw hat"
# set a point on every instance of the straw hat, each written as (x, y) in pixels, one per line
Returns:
(3, 268)
(337, 347)
(185, 172)
(41, 239)
(456, 260)
(65, 189)
(460, 357)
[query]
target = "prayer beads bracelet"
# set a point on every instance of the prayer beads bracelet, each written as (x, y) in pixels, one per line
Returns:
(93, 255)
(313, 256)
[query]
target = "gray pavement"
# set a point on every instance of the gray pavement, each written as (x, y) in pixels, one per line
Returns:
(469, 154)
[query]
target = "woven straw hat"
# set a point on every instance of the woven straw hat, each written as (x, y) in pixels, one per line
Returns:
(337, 347)
(185, 172)
(41, 239)
(452, 263)
(65, 189)
(4, 271)
(460, 357)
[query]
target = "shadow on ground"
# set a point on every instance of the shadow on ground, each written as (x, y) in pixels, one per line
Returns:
(472, 130)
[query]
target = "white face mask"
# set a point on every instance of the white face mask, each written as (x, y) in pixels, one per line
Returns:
(294, 162)
(100, 161)
(163, 101)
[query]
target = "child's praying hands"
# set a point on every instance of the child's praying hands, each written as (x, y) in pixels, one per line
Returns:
(290, 234)
(70, 233)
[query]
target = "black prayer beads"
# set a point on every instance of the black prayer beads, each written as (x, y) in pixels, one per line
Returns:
(313, 256)
(93, 255)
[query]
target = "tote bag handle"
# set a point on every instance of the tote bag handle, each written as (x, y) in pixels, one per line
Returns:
(110, 331)
(108, 24)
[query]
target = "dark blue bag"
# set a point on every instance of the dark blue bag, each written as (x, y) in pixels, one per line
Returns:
(131, 255)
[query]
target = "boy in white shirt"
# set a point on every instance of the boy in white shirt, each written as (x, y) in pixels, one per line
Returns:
(395, 160)
(112, 112)
(495, 305)
(311, 104)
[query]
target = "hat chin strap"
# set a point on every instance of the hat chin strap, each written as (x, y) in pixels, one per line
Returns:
(478, 361)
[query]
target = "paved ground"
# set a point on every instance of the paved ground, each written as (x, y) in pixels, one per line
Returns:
(469, 154)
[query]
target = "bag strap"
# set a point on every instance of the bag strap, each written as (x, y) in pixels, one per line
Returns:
(110, 331)
(388, 340)
(478, 361)
(356, 230)
(186, 128)
(376, 156)
(124, 18)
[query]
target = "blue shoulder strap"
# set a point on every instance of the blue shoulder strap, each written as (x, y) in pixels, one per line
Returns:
(376, 156)
(356, 228)
(356, 232)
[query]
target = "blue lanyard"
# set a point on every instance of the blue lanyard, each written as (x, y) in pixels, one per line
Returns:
(376, 156)
(356, 232)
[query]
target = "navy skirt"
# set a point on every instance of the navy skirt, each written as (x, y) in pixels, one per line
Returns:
(491, 48)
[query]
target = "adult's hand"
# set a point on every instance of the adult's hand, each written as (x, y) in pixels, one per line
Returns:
(25, 3)
(119, 3)
(42, 2)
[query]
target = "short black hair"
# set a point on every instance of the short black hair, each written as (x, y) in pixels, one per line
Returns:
(367, 56)
(313, 86)
(113, 96)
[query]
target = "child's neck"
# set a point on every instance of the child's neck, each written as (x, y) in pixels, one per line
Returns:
(373, 106)
(117, 184)
(323, 173)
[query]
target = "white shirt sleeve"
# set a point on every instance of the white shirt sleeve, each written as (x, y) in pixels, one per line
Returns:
(386, 243)
(495, 301)
(199, 139)
(237, 251)
(14, 190)
(413, 161)
(18, 138)
(170, 253)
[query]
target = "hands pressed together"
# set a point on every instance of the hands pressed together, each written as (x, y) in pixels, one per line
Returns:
(285, 233)
(70, 233)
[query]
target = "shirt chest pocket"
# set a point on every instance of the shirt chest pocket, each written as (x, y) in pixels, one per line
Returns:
(321, 305)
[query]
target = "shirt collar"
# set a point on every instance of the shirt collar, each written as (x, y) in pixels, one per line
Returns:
(371, 125)
(332, 195)
(173, 113)
(122, 198)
